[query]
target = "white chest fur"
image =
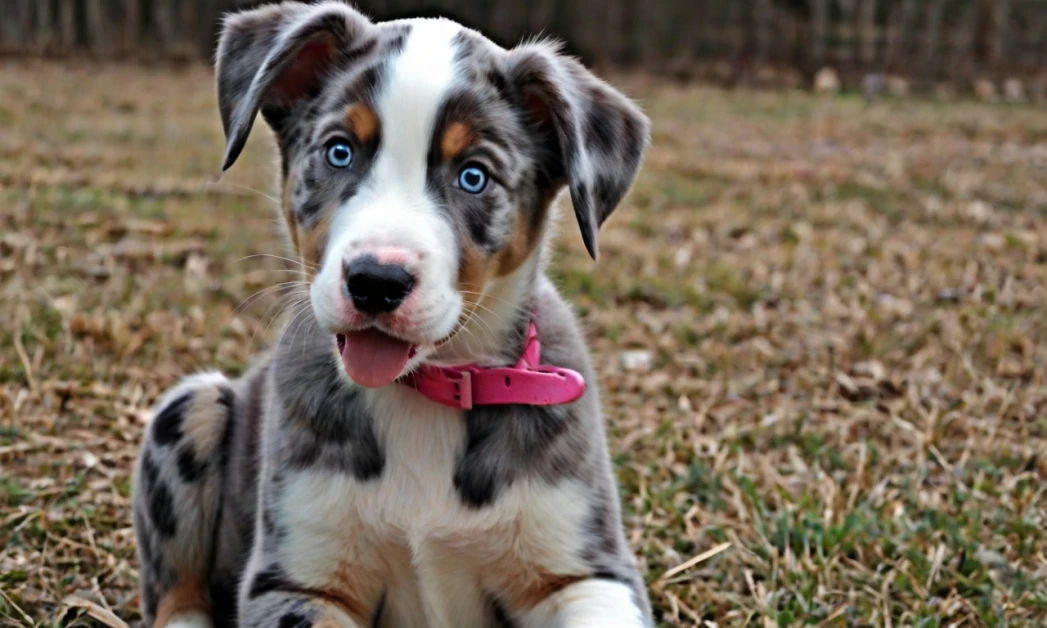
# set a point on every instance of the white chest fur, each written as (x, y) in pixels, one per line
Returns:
(407, 533)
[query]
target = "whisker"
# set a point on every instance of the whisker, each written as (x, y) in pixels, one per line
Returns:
(242, 187)
(297, 322)
(270, 270)
(309, 266)
(274, 287)
(484, 295)
(290, 300)
(301, 305)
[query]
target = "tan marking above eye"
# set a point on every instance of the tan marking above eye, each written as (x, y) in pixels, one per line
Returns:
(362, 121)
(457, 137)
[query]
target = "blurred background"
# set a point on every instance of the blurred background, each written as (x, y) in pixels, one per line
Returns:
(819, 318)
(762, 42)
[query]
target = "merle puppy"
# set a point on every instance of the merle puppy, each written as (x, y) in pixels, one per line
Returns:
(424, 447)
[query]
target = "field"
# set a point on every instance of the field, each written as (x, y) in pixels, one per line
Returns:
(821, 328)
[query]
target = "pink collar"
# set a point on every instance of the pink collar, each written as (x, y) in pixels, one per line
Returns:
(528, 383)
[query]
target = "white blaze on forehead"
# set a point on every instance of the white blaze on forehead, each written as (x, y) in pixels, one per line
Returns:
(415, 85)
(392, 206)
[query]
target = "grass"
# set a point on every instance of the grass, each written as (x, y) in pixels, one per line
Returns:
(846, 308)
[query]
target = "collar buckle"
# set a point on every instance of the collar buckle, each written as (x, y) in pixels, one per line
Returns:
(463, 387)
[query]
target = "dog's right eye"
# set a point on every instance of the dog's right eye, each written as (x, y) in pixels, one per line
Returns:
(339, 155)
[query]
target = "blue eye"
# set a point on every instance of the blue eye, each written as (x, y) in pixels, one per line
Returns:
(472, 179)
(339, 155)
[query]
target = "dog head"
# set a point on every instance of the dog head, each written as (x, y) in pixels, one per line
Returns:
(419, 163)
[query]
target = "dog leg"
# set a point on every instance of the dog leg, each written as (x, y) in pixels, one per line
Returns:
(177, 490)
(591, 603)
(293, 609)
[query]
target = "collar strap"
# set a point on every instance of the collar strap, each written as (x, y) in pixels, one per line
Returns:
(527, 383)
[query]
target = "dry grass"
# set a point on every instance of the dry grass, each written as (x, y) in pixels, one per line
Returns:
(846, 309)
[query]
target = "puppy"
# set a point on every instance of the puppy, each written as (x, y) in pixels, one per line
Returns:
(424, 445)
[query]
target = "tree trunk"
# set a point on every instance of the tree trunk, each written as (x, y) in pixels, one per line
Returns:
(16, 30)
(899, 45)
(763, 18)
(931, 51)
(820, 28)
(867, 32)
(164, 24)
(961, 61)
(99, 37)
(1038, 57)
(845, 32)
(67, 25)
(1001, 18)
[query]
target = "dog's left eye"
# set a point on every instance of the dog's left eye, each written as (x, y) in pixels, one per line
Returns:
(339, 155)
(472, 179)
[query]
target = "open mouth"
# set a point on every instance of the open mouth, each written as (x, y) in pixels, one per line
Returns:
(373, 358)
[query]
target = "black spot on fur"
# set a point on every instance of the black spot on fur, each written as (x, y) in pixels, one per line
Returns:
(500, 614)
(602, 531)
(364, 87)
(601, 130)
(582, 199)
(608, 194)
(503, 442)
(167, 426)
(357, 52)
(267, 581)
(149, 471)
(331, 426)
(289, 138)
(586, 215)
(467, 46)
(376, 616)
(501, 86)
(295, 620)
(369, 459)
(475, 488)
(479, 222)
(363, 457)
(226, 397)
(222, 594)
(190, 468)
(227, 400)
(608, 574)
(145, 548)
(150, 600)
(395, 39)
(311, 207)
(161, 510)
(268, 521)
(633, 141)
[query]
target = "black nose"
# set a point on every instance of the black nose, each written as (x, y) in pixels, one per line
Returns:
(377, 288)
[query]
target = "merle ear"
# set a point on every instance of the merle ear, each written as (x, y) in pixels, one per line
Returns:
(272, 57)
(597, 133)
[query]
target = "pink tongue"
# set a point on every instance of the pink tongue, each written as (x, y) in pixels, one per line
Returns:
(374, 359)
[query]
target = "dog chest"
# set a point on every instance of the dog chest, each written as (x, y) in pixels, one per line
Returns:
(408, 533)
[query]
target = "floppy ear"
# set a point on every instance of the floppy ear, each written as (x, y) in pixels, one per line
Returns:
(271, 58)
(597, 134)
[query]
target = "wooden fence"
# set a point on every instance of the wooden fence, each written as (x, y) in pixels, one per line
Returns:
(925, 39)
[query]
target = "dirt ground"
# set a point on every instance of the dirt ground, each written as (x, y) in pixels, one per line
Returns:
(821, 330)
